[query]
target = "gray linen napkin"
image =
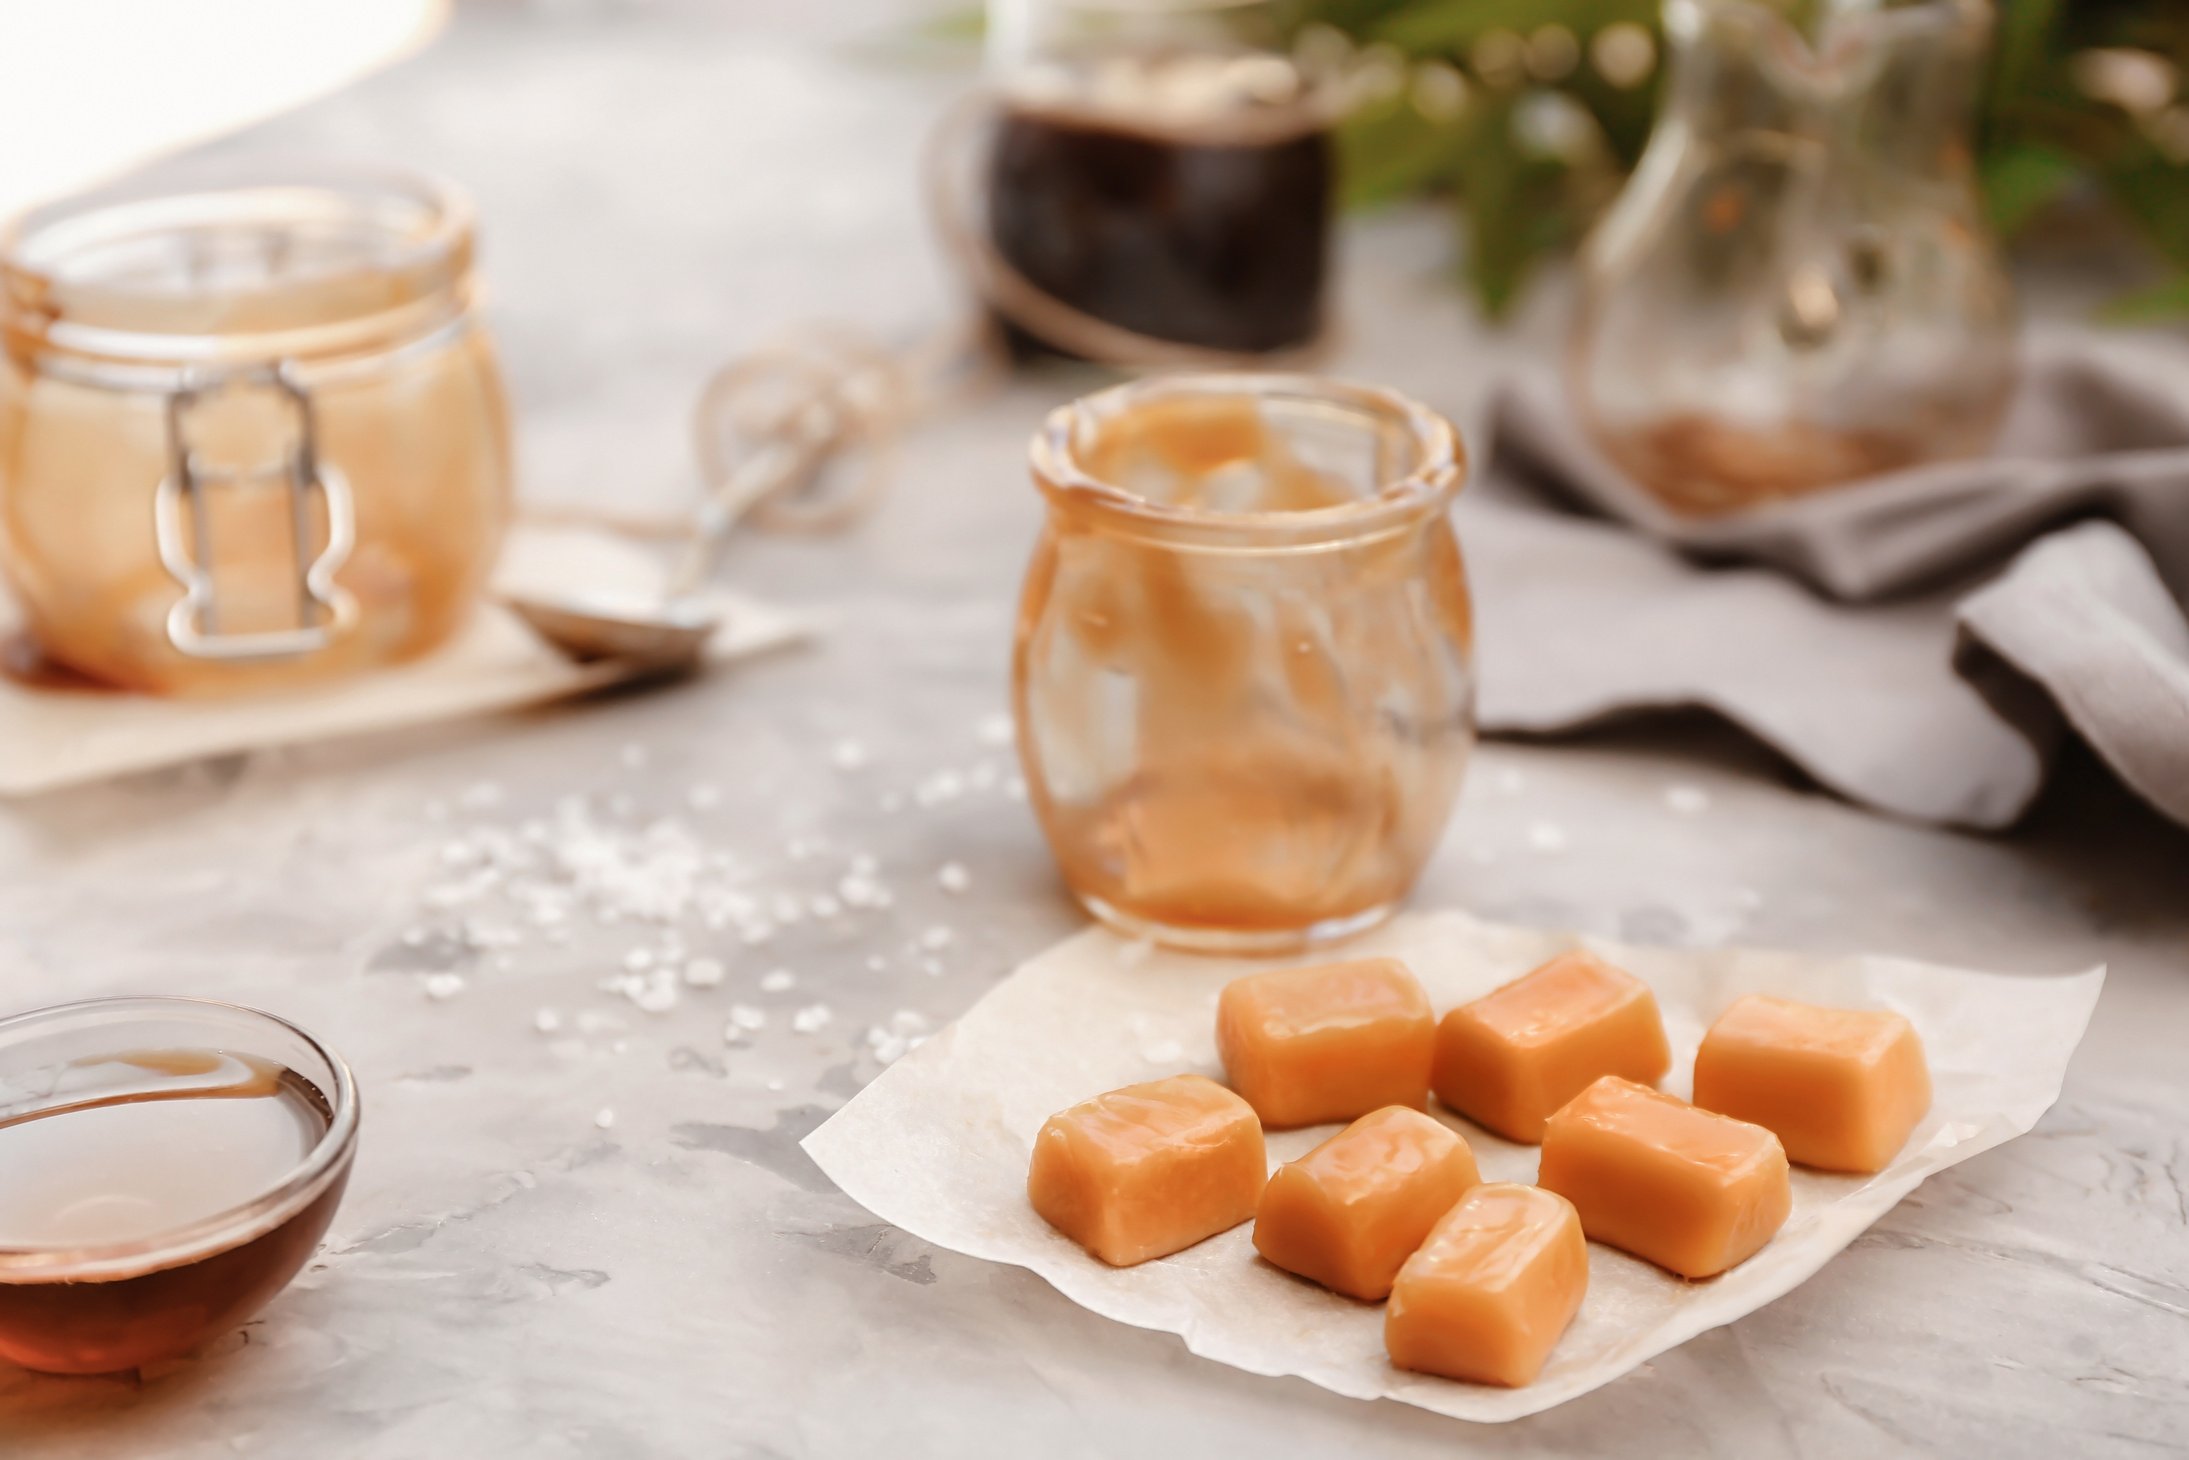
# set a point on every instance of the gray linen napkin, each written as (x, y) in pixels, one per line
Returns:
(1869, 633)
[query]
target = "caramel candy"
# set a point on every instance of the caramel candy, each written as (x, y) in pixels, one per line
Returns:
(1489, 1293)
(1347, 1213)
(1685, 1188)
(1309, 1045)
(1150, 1169)
(1841, 1088)
(1510, 1058)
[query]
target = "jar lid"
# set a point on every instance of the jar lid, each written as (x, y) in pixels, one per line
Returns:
(236, 259)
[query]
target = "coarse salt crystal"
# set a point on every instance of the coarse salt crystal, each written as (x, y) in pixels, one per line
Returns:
(1509, 781)
(633, 756)
(703, 797)
(937, 938)
(864, 865)
(952, 877)
(444, 985)
(995, 730)
(704, 973)
(606, 1118)
(811, 1018)
(1164, 1052)
(876, 963)
(1687, 800)
(824, 906)
(547, 1021)
(776, 980)
(1547, 837)
(638, 960)
(848, 755)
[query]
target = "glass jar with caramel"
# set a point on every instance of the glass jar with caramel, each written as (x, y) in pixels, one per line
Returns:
(1244, 672)
(251, 430)
(1158, 173)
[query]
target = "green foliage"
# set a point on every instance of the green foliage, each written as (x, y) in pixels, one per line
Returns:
(2042, 137)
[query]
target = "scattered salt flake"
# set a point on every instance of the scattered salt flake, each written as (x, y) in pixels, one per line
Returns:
(1687, 800)
(633, 756)
(932, 967)
(995, 729)
(444, 985)
(848, 755)
(1164, 1052)
(658, 995)
(638, 960)
(752, 935)
(776, 980)
(704, 973)
(787, 908)
(1547, 837)
(593, 1021)
(983, 776)
(606, 1119)
(937, 938)
(811, 1018)
(1509, 781)
(480, 796)
(824, 906)
(414, 937)
(703, 797)
(952, 877)
(775, 1084)
(876, 963)
(547, 1021)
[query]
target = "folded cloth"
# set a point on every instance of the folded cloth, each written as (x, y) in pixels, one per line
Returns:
(1869, 632)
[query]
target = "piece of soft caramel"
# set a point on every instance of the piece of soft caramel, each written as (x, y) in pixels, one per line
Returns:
(1350, 1211)
(1510, 1058)
(1688, 1189)
(1150, 1169)
(1487, 1296)
(1310, 1045)
(1841, 1088)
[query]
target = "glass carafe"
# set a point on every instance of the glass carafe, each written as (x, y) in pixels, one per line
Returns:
(1797, 289)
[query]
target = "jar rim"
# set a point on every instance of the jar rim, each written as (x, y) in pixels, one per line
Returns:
(238, 257)
(1433, 478)
(222, 1230)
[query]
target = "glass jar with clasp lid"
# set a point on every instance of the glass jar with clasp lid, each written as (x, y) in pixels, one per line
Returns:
(251, 429)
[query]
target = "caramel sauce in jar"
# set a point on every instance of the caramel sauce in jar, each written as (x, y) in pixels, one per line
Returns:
(157, 1197)
(1244, 658)
(268, 379)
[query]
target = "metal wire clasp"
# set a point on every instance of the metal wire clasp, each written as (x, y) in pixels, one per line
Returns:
(324, 609)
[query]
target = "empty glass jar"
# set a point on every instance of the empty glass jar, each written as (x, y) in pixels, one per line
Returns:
(251, 430)
(1244, 669)
(1797, 288)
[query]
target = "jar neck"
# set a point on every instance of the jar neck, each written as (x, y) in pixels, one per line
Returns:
(237, 267)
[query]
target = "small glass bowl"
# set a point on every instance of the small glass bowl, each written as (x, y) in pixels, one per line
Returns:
(105, 1307)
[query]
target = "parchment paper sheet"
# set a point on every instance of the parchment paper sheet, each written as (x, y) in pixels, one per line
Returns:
(939, 1143)
(50, 738)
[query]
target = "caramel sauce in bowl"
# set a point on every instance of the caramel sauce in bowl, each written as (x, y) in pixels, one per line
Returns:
(171, 1164)
(1244, 664)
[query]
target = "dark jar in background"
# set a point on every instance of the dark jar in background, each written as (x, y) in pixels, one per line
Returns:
(1159, 169)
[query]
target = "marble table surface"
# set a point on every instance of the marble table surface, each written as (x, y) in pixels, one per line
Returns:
(603, 1240)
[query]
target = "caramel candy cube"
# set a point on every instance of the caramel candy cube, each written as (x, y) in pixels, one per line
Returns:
(1510, 1058)
(1489, 1293)
(1310, 1045)
(1347, 1213)
(1688, 1189)
(1150, 1169)
(1841, 1088)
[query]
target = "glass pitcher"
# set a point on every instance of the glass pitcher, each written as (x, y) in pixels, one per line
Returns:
(1797, 288)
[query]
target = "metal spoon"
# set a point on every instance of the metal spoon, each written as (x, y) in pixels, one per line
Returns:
(667, 633)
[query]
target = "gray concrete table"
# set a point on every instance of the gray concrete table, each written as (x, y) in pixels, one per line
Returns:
(604, 1241)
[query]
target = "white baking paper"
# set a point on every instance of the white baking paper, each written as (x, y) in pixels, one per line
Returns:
(939, 1143)
(50, 738)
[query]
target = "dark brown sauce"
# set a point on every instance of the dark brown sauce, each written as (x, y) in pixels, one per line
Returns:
(1213, 242)
(133, 1146)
